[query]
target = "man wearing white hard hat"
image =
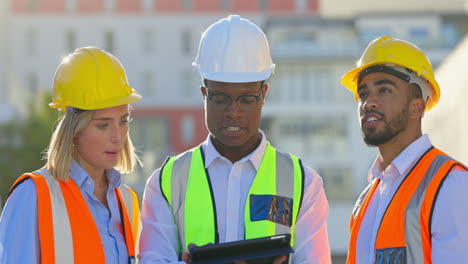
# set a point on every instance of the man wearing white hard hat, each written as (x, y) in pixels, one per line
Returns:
(225, 189)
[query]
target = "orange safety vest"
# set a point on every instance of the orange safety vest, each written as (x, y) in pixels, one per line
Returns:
(67, 231)
(404, 235)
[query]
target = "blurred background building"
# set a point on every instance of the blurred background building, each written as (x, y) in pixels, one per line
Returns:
(313, 42)
(446, 122)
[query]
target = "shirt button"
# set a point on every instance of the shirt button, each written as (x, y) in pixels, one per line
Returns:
(88, 182)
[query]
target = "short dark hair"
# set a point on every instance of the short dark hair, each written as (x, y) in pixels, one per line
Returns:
(414, 91)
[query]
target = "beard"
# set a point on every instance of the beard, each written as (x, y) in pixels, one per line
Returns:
(373, 138)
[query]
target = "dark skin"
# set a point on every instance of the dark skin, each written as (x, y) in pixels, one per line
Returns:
(389, 113)
(234, 132)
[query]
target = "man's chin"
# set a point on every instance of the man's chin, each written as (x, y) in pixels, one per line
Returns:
(370, 142)
(376, 140)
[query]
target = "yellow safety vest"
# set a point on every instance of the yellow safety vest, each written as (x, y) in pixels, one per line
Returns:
(186, 186)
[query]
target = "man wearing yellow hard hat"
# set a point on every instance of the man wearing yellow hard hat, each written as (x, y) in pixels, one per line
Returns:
(223, 190)
(75, 209)
(414, 209)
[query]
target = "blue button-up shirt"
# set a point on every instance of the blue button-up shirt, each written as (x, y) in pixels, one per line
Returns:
(19, 240)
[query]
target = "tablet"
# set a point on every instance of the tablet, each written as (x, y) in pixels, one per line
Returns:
(255, 251)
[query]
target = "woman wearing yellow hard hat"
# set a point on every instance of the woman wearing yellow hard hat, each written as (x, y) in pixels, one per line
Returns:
(75, 209)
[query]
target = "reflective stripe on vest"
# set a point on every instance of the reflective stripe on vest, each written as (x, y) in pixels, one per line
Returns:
(356, 218)
(130, 217)
(404, 235)
(186, 186)
(66, 228)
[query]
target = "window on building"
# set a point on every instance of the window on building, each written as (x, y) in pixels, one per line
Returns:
(419, 33)
(148, 5)
(151, 136)
(225, 4)
(32, 84)
(187, 125)
(31, 5)
(109, 41)
(31, 41)
(305, 84)
(186, 5)
(320, 86)
(190, 84)
(70, 5)
(149, 84)
(450, 34)
(262, 4)
(297, 43)
(186, 41)
(70, 39)
(109, 5)
(148, 40)
(321, 135)
(302, 38)
(421, 36)
(337, 182)
(301, 5)
(369, 34)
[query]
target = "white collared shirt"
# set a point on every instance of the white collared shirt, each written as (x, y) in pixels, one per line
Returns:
(449, 231)
(231, 183)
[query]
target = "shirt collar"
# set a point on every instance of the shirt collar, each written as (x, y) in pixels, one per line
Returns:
(405, 161)
(80, 176)
(255, 157)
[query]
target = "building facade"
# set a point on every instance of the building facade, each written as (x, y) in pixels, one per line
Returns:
(308, 113)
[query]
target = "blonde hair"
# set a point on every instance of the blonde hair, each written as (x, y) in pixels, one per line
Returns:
(59, 154)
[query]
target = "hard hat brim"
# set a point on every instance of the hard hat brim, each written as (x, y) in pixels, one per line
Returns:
(235, 77)
(133, 97)
(350, 81)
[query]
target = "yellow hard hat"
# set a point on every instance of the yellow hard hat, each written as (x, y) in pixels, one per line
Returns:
(392, 51)
(91, 78)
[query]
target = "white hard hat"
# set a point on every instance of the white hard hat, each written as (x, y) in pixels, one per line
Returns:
(234, 50)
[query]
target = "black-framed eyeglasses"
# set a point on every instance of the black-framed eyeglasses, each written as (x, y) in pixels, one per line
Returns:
(246, 102)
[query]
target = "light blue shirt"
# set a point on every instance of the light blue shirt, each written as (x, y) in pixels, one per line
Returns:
(19, 241)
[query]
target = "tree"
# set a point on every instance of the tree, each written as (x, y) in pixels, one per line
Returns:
(23, 141)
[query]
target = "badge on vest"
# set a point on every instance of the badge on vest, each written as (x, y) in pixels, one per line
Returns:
(277, 209)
